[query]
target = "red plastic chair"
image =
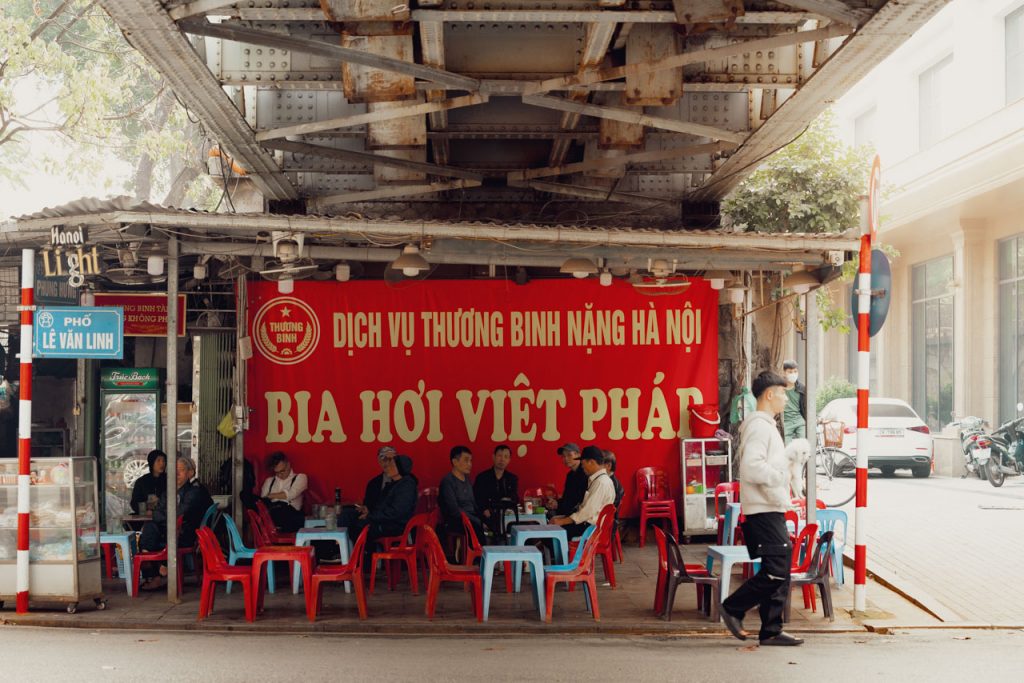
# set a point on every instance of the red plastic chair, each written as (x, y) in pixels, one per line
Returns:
(803, 545)
(276, 537)
(474, 551)
(216, 569)
(353, 571)
(731, 492)
(584, 574)
(398, 549)
(660, 587)
(262, 539)
(617, 544)
(440, 571)
(605, 533)
(427, 502)
(655, 498)
(161, 556)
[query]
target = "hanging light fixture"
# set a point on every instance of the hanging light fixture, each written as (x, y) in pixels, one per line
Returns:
(605, 278)
(87, 298)
(285, 285)
(717, 278)
(342, 272)
(199, 271)
(411, 262)
(578, 267)
(155, 265)
(801, 281)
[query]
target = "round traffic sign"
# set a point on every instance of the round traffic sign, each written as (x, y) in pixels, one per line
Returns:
(874, 196)
(881, 281)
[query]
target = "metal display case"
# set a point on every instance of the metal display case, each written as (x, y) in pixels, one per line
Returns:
(64, 536)
(704, 463)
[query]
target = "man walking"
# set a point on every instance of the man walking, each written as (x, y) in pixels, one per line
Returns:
(764, 499)
(794, 417)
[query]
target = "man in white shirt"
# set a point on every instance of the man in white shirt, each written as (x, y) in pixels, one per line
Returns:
(600, 492)
(284, 490)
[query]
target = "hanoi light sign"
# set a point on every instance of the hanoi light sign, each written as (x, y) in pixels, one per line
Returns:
(78, 332)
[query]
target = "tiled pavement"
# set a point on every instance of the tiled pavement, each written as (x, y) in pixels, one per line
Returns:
(955, 545)
(627, 609)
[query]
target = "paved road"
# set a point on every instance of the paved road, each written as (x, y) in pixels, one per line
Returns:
(955, 544)
(53, 655)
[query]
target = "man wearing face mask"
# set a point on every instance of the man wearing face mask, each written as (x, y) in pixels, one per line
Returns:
(794, 417)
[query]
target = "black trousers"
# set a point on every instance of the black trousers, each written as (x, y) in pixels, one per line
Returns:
(767, 538)
(152, 538)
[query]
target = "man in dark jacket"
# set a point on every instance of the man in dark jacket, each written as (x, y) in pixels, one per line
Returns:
(455, 494)
(575, 483)
(375, 487)
(609, 467)
(496, 490)
(394, 507)
(193, 502)
(794, 417)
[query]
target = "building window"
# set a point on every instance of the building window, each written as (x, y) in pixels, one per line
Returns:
(932, 341)
(1015, 55)
(1010, 254)
(933, 92)
(864, 128)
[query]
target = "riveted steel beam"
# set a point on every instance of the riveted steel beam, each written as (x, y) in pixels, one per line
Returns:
(368, 157)
(390, 192)
(832, 9)
(595, 193)
(150, 30)
(635, 117)
(613, 162)
(591, 16)
(323, 49)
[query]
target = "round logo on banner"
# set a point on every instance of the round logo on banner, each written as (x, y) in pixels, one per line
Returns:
(286, 330)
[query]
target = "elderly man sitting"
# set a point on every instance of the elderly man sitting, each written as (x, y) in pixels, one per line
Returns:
(600, 492)
(193, 502)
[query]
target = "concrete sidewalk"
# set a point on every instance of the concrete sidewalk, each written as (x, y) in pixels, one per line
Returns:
(624, 610)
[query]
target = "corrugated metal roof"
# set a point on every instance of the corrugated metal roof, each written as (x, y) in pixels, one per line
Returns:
(80, 209)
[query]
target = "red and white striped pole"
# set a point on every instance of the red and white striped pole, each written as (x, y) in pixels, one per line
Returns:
(869, 226)
(28, 263)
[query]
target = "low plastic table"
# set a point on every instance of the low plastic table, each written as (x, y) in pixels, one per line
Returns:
(538, 517)
(314, 523)
(493, 554)
(303, 537)
(303, 555)
(124, 562)
(522, 534)
(728, 555)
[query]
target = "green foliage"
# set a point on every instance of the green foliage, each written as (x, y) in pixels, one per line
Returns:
(831, 389)
(811, 185)
(67, 72)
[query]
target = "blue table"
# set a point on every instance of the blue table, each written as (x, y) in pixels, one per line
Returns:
(124, 560)
(493, 554)
(522, 534)
(538, 517)
(728, 555)
(339, 536)
(314, 523)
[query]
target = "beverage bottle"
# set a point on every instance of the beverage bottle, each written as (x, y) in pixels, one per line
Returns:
(337, 501)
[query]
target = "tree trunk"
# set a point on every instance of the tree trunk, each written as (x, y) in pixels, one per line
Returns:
(142, 182)
(176, 195)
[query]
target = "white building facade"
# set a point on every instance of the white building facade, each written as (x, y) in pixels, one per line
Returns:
(946, 114)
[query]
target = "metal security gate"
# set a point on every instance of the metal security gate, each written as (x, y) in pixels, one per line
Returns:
(213, 365)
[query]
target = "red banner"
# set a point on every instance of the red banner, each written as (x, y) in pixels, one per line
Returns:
(145, 315)
(339, 369)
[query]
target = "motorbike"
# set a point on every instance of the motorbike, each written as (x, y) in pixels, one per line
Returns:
(1007, 451)
(975, 445)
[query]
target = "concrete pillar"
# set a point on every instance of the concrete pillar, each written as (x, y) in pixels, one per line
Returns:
(973, 298)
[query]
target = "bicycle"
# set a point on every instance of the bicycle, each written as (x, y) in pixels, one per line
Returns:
(835, 484)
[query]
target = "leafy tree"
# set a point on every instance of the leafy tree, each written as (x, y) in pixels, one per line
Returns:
(831, 389)
(67, 72)
(810, 185)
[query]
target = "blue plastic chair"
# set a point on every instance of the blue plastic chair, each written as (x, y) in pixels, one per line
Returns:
(731, 521)
(238, 551)
(827, 521)
(210, 517)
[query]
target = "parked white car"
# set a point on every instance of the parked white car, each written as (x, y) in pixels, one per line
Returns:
(899, 437)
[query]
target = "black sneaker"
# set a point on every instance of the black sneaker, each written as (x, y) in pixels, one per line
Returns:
(734, 624)
(784, 639)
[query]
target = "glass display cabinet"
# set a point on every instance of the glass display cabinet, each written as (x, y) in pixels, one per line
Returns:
(705, 464)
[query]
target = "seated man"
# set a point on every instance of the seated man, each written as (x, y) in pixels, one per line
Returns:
(283, 491)
(376, 487)
(609, 467)
(455, 494)
(575, 483)
(600, 492)
(393, 509)
(496, 490)
(193, 502)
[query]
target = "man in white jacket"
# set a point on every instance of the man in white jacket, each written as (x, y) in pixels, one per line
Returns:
(764, 499)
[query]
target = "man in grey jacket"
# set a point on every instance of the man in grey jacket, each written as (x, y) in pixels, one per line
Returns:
(764, 499)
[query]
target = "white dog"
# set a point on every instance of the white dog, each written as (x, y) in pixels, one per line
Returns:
(797, 454)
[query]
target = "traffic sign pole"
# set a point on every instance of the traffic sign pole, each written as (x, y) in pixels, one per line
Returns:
(28, 263)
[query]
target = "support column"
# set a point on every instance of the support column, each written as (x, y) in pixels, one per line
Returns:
(812, 345)
(972, 352)
(28, 263)
(172, 420)
(960, 337)
(239, 407)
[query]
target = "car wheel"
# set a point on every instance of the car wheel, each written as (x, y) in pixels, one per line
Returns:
(921, 471)
(888, 471)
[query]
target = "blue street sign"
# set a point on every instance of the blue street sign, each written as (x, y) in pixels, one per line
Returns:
(79, 332)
